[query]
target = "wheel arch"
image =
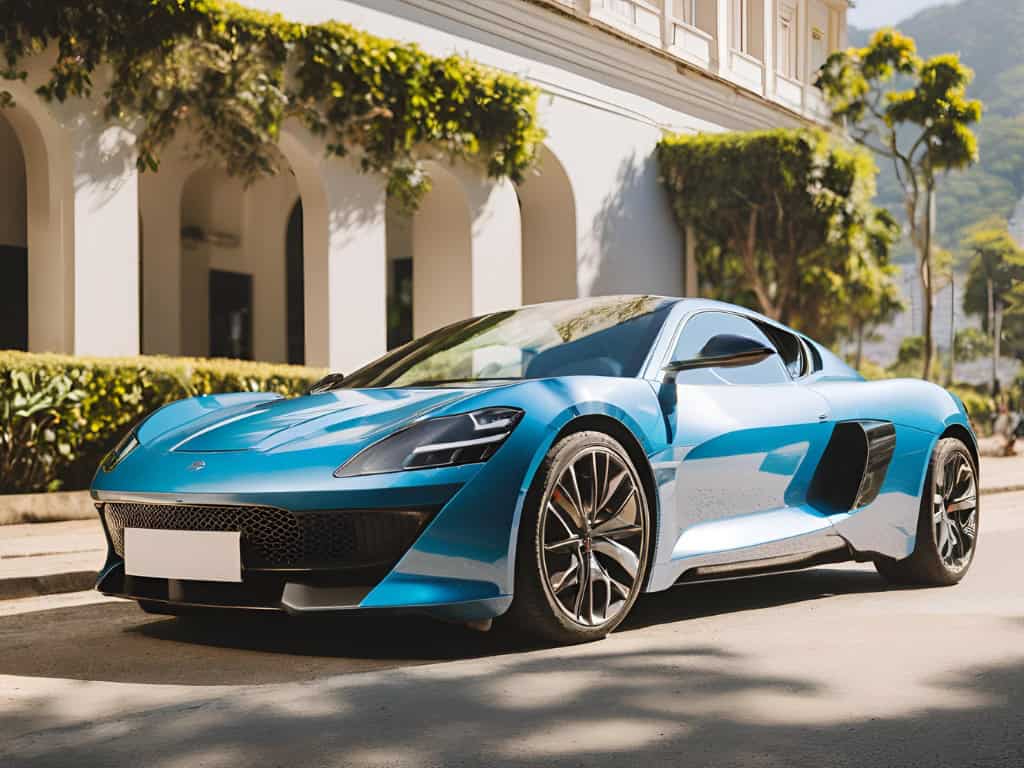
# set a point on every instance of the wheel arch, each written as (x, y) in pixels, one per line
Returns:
(960, 432)
(624, 435)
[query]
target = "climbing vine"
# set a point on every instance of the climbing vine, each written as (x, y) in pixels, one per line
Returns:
(233, 75)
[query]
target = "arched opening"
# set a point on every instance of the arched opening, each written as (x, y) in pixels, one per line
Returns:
(241, 266)
(295, 287)
(548, 214)
(398, 230)
(13, 241)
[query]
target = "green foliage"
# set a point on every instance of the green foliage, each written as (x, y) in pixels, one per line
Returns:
(979, 405)
(911, 351)
(997, 260)
(59, 415)
(987, 34)
(784, 222)
(915, 113)
(971, 344)
(234, 75)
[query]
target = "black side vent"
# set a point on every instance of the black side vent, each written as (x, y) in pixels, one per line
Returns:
(853, 467)
(881, 437)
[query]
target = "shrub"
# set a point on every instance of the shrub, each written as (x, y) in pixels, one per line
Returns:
(59, 415)
(979, 405)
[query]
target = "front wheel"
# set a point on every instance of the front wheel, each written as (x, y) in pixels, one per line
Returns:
(947, 529)
(583, 542)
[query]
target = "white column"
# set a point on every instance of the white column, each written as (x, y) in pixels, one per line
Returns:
(160, 198)
(442, 247)
(467, 248)
(722, 36)
(346, 285)
(770, 23)
(268, 206)
(496, 233)
(106, 239)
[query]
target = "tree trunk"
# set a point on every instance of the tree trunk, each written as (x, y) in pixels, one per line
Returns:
(992, 332)
(996, 344)
(927, 302)
(859, 355)
(952, 327)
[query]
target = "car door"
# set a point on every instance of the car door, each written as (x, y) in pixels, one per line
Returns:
(745, 441)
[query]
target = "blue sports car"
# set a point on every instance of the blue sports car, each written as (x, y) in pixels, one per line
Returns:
(544, 465)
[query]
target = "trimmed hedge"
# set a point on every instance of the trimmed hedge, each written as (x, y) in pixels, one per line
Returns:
(59, 415)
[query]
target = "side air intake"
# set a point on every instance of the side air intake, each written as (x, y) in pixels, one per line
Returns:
(853, 467)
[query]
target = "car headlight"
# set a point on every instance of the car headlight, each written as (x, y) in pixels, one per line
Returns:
(441, 442)
(127, 444)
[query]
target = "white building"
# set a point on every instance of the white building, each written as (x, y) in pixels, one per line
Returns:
(97, 259)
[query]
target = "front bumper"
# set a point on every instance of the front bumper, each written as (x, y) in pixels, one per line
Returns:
(456, 566)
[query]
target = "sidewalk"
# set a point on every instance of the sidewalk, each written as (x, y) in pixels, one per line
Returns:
(47, 558)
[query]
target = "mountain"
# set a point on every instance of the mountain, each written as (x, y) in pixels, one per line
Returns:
(987, 35)
(878, 13)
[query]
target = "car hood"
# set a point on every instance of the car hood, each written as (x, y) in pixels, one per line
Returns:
(344, 416)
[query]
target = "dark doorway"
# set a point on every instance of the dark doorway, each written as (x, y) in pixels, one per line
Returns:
(296, 289)
(400, 303)
(230, 314)
(13, 297)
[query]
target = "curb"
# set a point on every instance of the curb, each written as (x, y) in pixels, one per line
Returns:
(58, 507)
(50, 584)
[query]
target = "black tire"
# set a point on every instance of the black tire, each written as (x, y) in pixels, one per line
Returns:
(537, 610)
(935, 562)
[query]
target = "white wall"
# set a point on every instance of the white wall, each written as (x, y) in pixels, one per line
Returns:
(605, 226)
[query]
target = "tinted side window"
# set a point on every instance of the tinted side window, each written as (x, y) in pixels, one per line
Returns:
(790, 349)
(698, 331)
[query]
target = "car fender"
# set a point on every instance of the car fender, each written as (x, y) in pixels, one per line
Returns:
(921, 413)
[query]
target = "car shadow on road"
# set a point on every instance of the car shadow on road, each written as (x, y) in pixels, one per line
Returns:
(117, 642)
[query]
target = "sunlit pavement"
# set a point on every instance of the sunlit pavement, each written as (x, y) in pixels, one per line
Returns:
(824, 668)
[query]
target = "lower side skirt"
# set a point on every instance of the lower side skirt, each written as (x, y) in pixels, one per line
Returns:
(765, 566)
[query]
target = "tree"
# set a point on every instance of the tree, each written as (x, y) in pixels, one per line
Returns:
(914, 113)
(783, 220)
(996, 275)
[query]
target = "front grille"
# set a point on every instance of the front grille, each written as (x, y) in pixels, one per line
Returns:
(278, 539)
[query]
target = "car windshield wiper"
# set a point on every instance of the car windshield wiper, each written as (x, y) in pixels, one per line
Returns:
(424, 382)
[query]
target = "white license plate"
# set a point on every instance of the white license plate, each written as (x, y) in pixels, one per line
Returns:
(189, 555)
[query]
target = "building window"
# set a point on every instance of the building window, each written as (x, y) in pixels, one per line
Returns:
(787, 42)
(686, 11)
(741, 25)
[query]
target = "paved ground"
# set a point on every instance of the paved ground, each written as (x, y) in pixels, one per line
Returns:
(823, 668)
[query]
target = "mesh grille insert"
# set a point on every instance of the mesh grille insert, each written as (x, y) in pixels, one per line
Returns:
(277, 538)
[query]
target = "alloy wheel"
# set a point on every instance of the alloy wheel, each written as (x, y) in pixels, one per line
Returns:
(594, 537)
(955, 511)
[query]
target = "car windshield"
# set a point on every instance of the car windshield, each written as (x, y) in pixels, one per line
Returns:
(607, 336)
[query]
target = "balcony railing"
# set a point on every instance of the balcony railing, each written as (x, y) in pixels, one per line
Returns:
(703, 46)
(637, 17)
(690, 43)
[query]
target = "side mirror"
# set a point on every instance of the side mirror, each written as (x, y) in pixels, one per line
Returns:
(724, 351)
(326, 384)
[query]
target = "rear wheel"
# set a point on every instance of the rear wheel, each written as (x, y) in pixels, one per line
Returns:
(583, 542)
(947, 529)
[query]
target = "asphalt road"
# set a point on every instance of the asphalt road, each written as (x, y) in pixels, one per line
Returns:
(822, 668)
